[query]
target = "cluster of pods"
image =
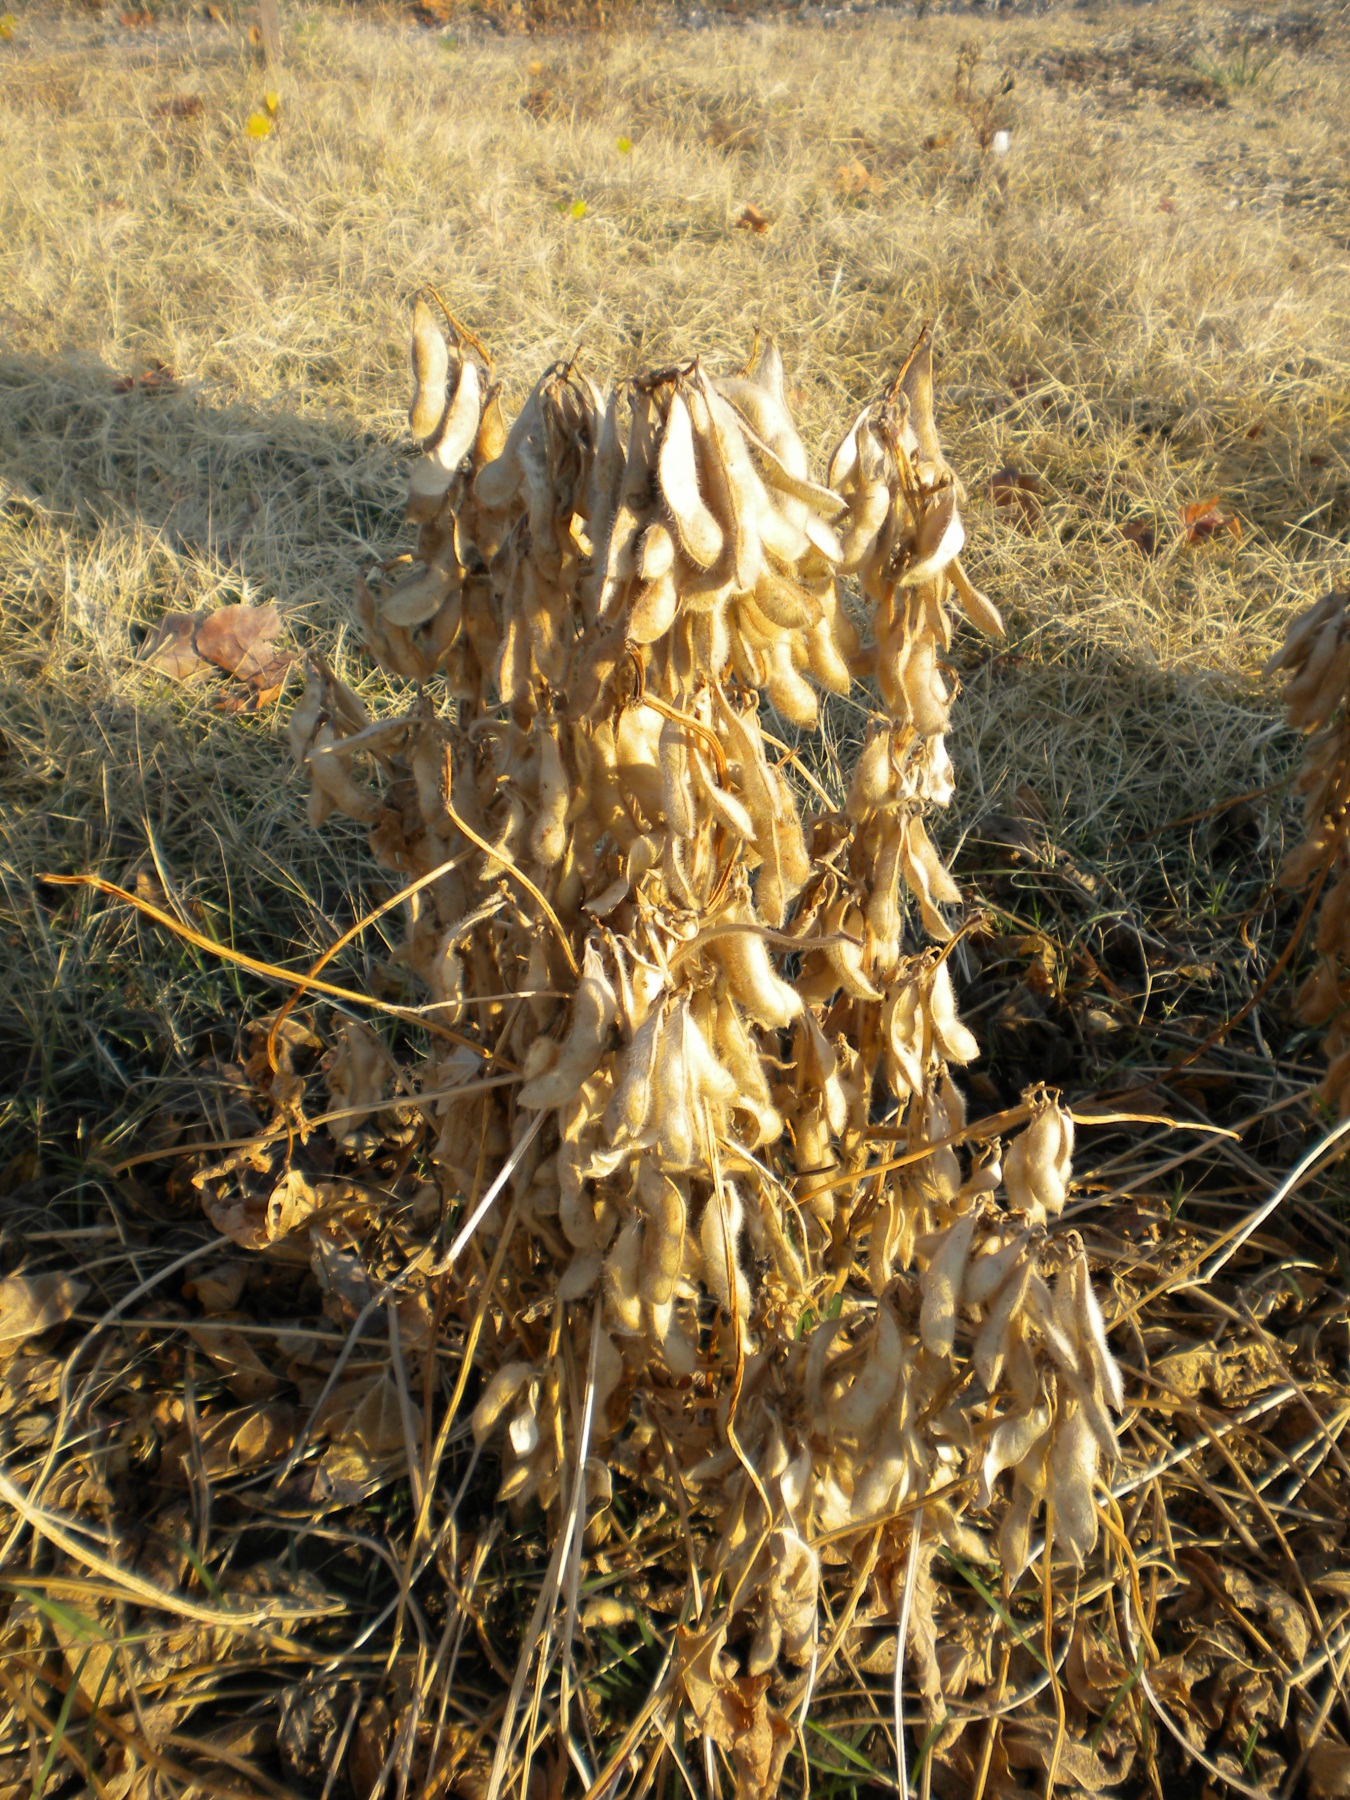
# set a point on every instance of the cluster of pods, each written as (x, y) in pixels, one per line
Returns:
(702, 1011)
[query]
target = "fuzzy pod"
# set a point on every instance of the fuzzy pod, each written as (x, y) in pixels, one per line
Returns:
(1009, 1443)
(955, 1042)
(500, 1391)
(593, 1014)
(666, 1211)
(629, 1110)
(1038, 1166)
(719, 1238)
(940, 1285)
(698, 532)
(872, 1388)
(993, 1340)
(431, 369)
(752, 979)
(1069, 1490)
(622, 1279)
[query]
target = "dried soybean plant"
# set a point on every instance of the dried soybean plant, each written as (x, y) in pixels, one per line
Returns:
(693, 1039)
(1315, 658)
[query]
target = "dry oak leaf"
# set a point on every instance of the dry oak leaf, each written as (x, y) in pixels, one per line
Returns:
(173, 649)
(1029, 1744)
(33, 1303)
(752, 219)
(1020, 493)
(1204, 519)
(852, 178)
(182, 106)
(734, 1712)
(1328, 1772)
(1142, 535)
(236, 638)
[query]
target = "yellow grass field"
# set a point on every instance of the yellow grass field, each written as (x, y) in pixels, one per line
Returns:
(1141, 304)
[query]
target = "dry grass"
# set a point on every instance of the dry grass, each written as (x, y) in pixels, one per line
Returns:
(1143, 304)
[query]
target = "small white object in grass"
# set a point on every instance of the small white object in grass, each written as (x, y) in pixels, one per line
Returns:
(1002, 143)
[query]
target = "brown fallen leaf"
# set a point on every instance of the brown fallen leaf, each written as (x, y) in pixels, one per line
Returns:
(1142, 535)
(33, 1303)
(246, 1375)
(851, 179)
(219, 1288)
(155, 378)
(1205, 519)
(734, 1712)
(237, 639)
(1167, 206)
(264, 685)
(752, 219)
(173, 649)
(182, 106)
(1328, 1772)
(1019, 493)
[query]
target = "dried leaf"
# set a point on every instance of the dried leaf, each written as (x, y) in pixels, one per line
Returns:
(173, 649)
(1029, 1744)
(1141, 534)
(1205, 519)
(1019, 494)
(734, 1712)
(1236, 1373)
(33, 1303)
(1092, 1671)
(182, 106)
(1328, 1772)
(365, 1421)
(236, 638)
(752, 219)
(851, 179)
(246, 1375)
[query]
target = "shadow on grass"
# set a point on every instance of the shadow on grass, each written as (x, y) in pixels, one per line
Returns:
(116, 506)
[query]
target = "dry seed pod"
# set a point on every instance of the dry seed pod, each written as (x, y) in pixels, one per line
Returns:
(699, 534)
(431, 367)
(500, 1391)
(1037, 1168)
(941, 1285)
(593, 1014)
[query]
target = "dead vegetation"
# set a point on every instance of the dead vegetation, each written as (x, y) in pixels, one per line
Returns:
(252, 1542)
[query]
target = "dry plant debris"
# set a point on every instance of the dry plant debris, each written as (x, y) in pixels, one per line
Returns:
(1315, 660)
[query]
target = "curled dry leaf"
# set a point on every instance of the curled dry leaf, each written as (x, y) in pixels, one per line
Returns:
(1018, 495)
(1204, 519)
(30, 1304)
(752, 219)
